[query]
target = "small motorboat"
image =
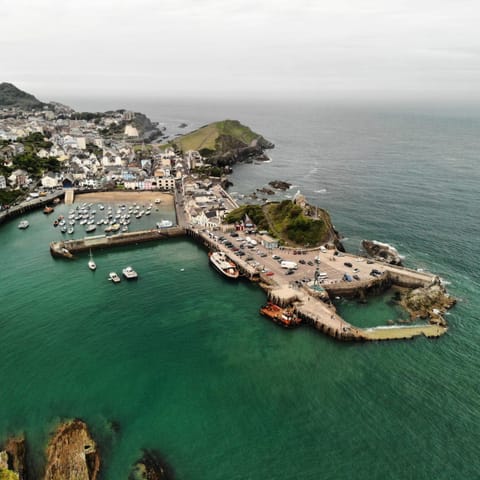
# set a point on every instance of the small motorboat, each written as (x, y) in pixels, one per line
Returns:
(112, 276)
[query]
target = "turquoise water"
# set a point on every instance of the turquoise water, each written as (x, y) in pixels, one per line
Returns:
(181, 361)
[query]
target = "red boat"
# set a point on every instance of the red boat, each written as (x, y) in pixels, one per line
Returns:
(283, 316)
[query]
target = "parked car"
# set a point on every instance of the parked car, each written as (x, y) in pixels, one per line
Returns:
(348, 264)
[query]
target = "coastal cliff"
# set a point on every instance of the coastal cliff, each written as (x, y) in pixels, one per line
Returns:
(224, 143)
(72, 453)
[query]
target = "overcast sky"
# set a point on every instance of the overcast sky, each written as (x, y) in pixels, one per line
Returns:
(315, 48)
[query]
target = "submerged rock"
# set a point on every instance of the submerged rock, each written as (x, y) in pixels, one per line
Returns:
(12, 460)
(72, 454)
(151, 467)
(382, 251)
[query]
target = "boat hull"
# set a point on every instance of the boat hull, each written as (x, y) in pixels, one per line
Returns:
(281, 316)
(231, 272)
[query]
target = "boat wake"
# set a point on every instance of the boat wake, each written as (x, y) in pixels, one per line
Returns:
(322, 190)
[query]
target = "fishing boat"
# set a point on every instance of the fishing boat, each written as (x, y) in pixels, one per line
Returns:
(223, 264)
(90, 228)
(112, 276)
(48, 210)
(283, 316)
(23, 225)
(91, 264)
(129, 273)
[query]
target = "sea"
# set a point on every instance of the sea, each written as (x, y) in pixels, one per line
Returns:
(182, 363)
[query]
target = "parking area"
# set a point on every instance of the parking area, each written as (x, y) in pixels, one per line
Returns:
(297, 265)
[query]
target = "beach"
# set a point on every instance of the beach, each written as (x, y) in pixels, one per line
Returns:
(166, 199)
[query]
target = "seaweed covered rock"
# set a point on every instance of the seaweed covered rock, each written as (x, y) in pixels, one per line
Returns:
(72, 454)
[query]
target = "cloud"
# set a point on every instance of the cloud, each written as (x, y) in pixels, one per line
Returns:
(240, 46)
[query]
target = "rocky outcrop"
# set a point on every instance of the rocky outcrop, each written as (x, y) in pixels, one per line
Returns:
(151, 467)
(12, 460)
(280, 185)
(382, 252)
(72, 454)
(267, 191)
(429, 302)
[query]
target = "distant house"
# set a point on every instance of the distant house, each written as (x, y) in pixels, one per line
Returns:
(3, 182)
(18, 178)
(50, 180)
(166, 183)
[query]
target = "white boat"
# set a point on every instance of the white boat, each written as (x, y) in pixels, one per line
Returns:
(91, 228)
(129, 273)
(91, 264)
(23, 225)
(164, 224)
(114, 277)
(224, 265)
(157, 201)
(70, 230)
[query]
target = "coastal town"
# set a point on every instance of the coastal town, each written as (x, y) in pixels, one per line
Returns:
(107, 154)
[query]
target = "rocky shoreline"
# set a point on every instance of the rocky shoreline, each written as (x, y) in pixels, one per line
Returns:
(72, 454)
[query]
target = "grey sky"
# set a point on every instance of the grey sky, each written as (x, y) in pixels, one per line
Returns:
(341, 48)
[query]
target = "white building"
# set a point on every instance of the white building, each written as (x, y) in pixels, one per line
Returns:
(50, 180)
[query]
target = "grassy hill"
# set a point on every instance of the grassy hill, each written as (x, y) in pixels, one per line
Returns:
(288, 222)
(217, 138)
(11, 96)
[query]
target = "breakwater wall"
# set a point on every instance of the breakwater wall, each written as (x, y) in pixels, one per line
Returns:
(67, 248)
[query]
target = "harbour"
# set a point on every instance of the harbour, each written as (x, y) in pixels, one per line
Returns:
(311, 300)
(186, 367)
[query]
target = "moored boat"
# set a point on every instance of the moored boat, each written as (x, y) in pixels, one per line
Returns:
(129, 273)
(223, 264)
(23, 225)
(164, 224)
(91, 264)
(283, 316)
(48, 210)
(90, 228)
(114, 277)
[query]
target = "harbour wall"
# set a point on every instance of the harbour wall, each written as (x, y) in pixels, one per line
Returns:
(67, 248)
(19, 210)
